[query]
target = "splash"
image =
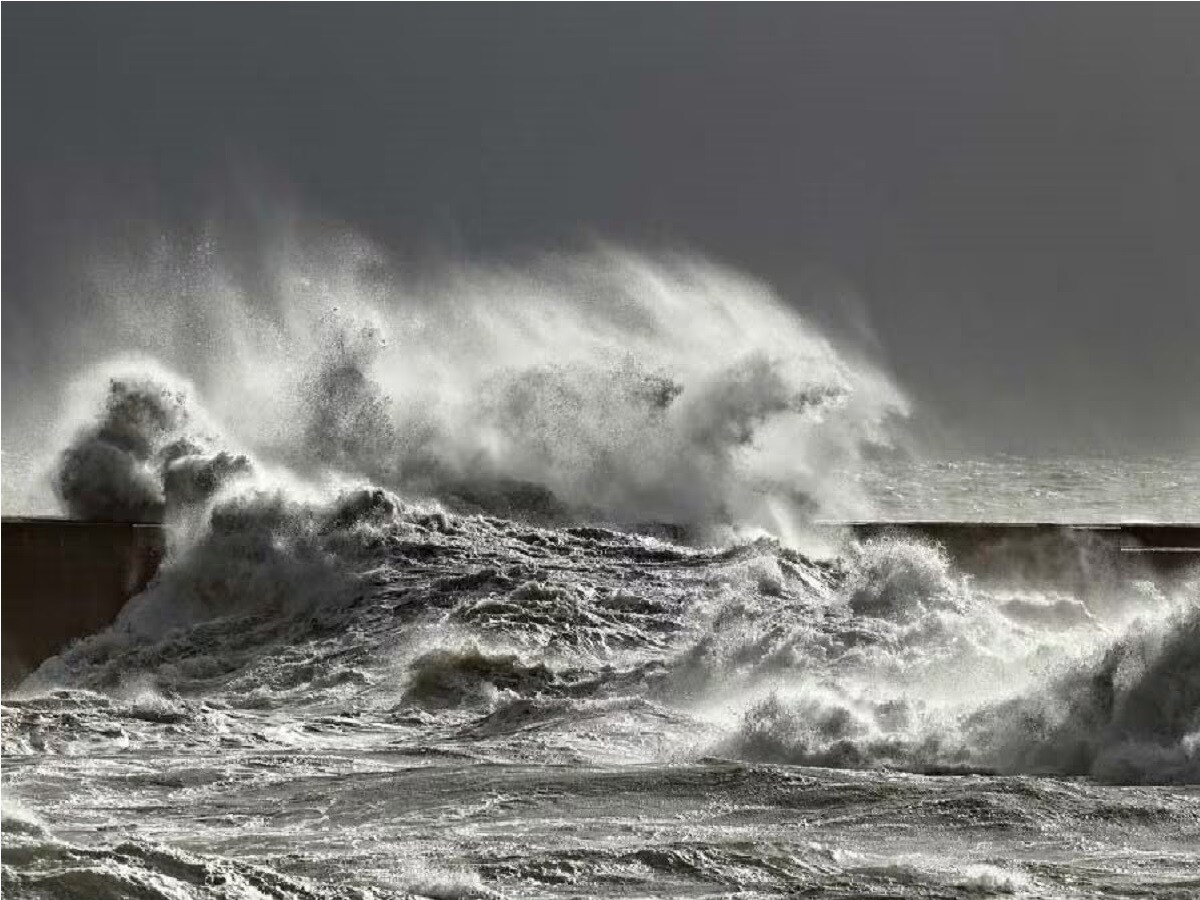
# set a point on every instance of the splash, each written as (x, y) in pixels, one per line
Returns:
(1130, 714)
(928, 675)
(899, 578)
(148, 449)
(399, 484)
(602, 386)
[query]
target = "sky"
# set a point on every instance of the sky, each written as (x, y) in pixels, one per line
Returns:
(1000, 202)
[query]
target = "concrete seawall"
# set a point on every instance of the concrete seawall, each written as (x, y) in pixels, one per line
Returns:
(64, 579)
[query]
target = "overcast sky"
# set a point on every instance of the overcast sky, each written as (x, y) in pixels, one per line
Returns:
(1012, 192)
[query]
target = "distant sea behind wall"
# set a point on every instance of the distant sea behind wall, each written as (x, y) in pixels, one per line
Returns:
(1015, 488)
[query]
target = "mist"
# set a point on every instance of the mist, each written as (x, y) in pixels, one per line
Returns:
(599, 384)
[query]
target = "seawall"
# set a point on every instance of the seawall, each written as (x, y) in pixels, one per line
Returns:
(64, 579)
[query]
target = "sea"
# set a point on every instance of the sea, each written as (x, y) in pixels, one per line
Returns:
(1011, 487)
(495, 590)
(370, 698)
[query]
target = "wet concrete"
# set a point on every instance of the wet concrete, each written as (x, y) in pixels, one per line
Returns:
(64, 579)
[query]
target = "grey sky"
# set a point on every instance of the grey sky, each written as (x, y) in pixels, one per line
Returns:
(1012, 191)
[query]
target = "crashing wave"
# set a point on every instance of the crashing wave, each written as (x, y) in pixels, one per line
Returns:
(1130, 715)
(422, 523)
(603, 387)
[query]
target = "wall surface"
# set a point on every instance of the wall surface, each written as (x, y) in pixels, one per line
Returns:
(64, 579)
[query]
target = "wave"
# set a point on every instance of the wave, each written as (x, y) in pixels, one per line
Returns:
(425, 517)
(884, 656)
(1127, 712)
(601, 386)
(1130, 715)
(477, 628)
(446, 678)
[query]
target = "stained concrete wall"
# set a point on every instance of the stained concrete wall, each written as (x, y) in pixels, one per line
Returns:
(64, 579)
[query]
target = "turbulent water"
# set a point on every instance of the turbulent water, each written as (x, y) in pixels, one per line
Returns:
(542, 618)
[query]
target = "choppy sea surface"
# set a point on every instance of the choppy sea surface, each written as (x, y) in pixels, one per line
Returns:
(362, 697)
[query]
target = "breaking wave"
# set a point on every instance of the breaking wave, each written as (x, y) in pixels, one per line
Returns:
(586, 642)
(602, 386)
(407, 499)
(1130, 715)
(1120, 704)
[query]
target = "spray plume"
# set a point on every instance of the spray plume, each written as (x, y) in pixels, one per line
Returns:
(605, 386)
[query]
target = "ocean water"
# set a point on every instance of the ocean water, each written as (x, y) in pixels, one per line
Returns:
(369, 699)
(422, 629)
(1011, 487)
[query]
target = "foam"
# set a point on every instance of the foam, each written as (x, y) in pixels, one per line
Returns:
(1121, 706)
(1130, 714)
